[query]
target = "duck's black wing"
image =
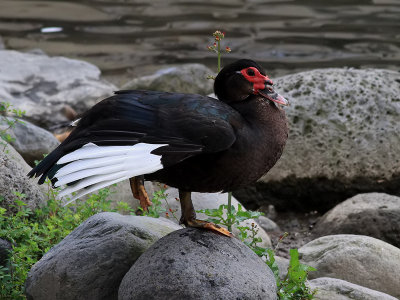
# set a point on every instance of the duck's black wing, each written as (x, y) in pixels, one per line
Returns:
(164, 127)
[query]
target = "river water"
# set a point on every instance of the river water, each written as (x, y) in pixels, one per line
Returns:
(130, 38)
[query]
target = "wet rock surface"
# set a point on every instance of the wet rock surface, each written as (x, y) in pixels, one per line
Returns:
(358, 259)
(92, 260)
(197, 264)
(342, 141)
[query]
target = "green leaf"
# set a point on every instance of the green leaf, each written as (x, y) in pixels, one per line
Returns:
(294, 258)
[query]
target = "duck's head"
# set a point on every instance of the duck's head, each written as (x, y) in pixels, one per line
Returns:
(243, 79)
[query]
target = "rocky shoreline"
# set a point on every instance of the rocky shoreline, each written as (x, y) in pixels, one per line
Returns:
(336, 188)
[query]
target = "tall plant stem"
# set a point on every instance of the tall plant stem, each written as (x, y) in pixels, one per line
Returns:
(218, 35)
(229, 193)
(229, 210)
(219, 55)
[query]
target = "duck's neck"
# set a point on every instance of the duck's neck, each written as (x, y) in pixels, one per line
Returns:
(266, 123)
(259, 111)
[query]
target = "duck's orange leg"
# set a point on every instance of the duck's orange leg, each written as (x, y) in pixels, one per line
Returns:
(189, 216)
(139, 192)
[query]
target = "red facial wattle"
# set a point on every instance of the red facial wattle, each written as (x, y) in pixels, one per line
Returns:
(258, 79)
(262, 85)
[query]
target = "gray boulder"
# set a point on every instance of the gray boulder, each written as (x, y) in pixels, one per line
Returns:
(343, 139)
(267, 224)
(13, 170)
(198, 264)
(92, 260)
(121, 192)
(336, 289)
(374, 214)
(187, 78)
(13, 155)
(358, 259)
(30, 141)
(283, 265)
(46, 87)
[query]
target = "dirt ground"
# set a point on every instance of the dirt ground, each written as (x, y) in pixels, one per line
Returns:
(299, 228)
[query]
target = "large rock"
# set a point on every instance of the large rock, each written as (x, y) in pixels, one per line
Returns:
(13, 170)
(283, 266)
(336, 289)
(46, 87)
(188, 78)
(121, 192)
(361, 260)
(92, 260)
(30, 140)
(343, 139)
(267, 224)
(374, 214)
(198, 264)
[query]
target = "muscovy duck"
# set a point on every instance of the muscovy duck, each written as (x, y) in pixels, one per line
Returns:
(191, 142)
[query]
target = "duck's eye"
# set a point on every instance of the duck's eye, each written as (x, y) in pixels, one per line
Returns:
(250, 72)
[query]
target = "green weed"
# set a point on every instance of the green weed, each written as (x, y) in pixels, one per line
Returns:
(222, 215)
(5, 110)
(33, 233)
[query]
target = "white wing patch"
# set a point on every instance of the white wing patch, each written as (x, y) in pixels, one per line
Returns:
(75, 123)
(95, 167)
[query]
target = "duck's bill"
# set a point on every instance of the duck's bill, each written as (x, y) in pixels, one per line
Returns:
(271, 95)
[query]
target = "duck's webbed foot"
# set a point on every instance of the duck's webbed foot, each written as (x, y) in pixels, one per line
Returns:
(189, 216)
(139, 192)
(207, 225)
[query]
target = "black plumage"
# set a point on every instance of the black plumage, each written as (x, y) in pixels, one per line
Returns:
(211, 145)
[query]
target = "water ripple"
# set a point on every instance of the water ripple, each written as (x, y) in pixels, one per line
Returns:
(128, 38)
